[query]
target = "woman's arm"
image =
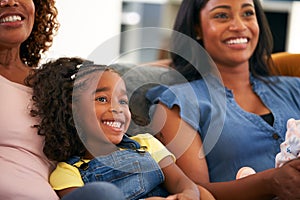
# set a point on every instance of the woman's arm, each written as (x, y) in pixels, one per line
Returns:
(181, 139)
(179, 184)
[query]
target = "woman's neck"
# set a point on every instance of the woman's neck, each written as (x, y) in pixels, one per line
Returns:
(12, 68)
(17, 73)
(237, 80)
(235, 77)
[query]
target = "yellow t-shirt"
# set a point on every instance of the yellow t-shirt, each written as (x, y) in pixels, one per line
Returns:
(66, 176)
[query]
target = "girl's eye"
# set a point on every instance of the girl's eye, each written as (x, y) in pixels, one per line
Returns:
(101, 99)
(124, 102)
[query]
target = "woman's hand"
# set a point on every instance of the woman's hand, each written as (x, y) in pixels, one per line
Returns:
(286, 180)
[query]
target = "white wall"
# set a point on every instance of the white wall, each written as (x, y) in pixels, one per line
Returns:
(84, 26)
(293, 43)
(292, 7)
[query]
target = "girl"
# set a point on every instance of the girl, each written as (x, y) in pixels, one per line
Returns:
(84, 115)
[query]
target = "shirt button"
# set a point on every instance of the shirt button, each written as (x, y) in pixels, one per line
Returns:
(275, 136)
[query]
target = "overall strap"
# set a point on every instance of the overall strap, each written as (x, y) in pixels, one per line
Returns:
(128, 143)
(73, 160)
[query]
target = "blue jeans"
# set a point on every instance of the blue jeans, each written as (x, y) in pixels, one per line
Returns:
(96, 191)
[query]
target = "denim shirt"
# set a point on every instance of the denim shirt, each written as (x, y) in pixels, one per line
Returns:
(132, 169)
(232, 137)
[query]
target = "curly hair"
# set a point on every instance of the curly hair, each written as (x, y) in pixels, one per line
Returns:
(41, 37)
(54, 89)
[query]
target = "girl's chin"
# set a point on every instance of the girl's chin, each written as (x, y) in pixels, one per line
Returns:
(116, 140)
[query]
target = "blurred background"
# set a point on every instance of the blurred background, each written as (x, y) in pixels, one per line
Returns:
(87, 24)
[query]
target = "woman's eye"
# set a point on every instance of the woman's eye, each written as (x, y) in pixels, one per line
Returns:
(101, 99)
(221, 16)
(249, 13)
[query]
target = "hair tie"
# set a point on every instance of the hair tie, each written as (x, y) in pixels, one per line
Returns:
(73, 76)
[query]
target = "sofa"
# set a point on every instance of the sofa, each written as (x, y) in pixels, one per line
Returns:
(286, 64)
(139, 78)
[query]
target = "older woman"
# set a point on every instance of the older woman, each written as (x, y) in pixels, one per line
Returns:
(26, 31)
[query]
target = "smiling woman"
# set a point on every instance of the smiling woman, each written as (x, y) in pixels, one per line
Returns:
(11, 19)
(235, 27)
(235, 34)
(26, 30)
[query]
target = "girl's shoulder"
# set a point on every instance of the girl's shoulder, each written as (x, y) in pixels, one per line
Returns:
(156, 149)
(143, 138)
(148, 141)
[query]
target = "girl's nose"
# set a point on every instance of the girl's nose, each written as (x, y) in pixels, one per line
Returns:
(115, 109)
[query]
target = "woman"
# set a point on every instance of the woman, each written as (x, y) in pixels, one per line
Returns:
(236, 36)
(26, 31)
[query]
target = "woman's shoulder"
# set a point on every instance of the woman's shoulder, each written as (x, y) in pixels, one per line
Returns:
(175, 88)
(285, 80)
(281, 84)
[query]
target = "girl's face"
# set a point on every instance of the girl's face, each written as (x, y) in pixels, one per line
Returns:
(16, 21)
(103, 112)
(229, 31)
(111, 106)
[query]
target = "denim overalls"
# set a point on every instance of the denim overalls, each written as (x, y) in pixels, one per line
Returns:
(133, 170)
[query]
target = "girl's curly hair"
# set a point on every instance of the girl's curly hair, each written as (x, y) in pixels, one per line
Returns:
(54, 89)
(41, 37)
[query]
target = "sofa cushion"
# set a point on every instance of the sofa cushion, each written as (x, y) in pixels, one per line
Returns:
(138, 79)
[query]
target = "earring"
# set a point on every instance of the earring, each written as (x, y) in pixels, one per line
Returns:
(198, 37)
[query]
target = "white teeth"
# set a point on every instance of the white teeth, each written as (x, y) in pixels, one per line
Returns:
(113, 124)
(12, 18)
(238, 41)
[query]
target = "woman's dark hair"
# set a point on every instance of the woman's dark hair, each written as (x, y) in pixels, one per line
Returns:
(188, 18)
(41, 37)
(54, 86)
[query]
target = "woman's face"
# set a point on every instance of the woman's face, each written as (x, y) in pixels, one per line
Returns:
(16, 21)
(229, 31)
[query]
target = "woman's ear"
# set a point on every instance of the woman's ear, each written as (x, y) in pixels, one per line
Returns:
(198, 31)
